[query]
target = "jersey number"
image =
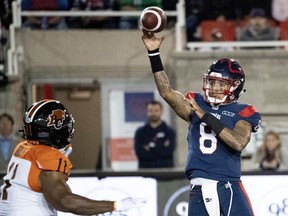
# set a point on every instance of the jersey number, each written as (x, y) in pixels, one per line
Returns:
(207, 137)
(13, 169)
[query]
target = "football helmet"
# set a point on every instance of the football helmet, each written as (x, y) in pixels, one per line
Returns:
(230, 75)
(49, 123)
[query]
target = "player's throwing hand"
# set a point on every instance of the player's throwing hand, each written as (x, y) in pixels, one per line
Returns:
(151, 41)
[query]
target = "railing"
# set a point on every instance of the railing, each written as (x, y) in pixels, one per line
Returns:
(12, 58)
(238, 44)
(14, 51)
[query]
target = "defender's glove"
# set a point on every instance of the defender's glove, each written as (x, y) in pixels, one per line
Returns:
(129, 203)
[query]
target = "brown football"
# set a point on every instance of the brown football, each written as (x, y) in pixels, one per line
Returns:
(153, 19)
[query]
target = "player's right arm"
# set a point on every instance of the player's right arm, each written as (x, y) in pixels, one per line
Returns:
(174, 98)
(58, 194)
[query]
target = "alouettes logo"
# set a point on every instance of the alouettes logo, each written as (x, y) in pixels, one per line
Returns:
(56, 119)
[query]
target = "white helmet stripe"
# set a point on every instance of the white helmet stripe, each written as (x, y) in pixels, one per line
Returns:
(31, 113)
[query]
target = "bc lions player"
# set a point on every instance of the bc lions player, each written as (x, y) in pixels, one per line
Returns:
(35, 183)
(220, 128)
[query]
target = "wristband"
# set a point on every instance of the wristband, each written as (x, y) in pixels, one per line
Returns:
(215, 124)
(155, 61)
(153, 52)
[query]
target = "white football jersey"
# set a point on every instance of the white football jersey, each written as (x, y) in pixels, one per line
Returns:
(20, 193)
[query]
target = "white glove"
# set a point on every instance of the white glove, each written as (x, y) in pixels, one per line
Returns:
(129, 203)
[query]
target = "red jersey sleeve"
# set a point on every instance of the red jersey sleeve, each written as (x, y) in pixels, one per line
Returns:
(189, 95)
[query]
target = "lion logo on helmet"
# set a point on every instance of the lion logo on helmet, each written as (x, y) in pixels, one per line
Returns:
(56, 119)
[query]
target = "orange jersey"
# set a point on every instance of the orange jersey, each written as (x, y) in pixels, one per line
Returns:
(20, 193)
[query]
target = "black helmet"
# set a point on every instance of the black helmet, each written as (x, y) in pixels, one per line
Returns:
(227, 70)
(49, 122)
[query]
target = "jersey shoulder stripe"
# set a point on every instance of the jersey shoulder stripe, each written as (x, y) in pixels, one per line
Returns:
(189, 95)
(248, 111)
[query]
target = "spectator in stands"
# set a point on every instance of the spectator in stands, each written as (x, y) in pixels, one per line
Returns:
(245, 7)
(216, 36)
(258, 28)
(6, 12)
(3, 40)
(45, 22)
(220, 9)
(155, 141)
(5, 21)
(280, 10)
(8, 140)
(194, 10)
(270, 155)
(102, 22)
(170, 5)
(210, 10)
(128, 22)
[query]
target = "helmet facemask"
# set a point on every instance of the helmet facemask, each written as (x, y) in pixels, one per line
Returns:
(63, 136)
(229, 79)
(223, 93)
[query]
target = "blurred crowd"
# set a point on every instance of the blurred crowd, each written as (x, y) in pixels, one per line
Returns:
(252, 20)
(245, 20)
(102, 22)
(196, 11)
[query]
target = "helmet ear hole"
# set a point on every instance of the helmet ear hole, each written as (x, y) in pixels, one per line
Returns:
(237, 83)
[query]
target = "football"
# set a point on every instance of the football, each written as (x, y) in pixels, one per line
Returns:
(153, 19)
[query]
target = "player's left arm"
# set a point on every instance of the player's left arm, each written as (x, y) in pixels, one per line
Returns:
(58, 194)
(238, 137)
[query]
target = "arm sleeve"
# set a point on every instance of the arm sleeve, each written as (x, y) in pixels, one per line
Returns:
(250, 114)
